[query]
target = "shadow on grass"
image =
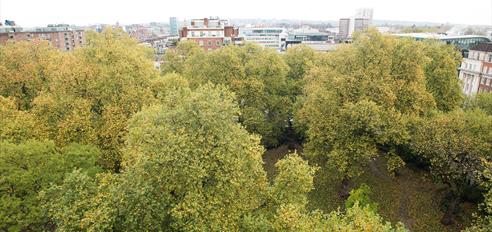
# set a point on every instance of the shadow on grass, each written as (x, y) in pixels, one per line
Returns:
(411, 197)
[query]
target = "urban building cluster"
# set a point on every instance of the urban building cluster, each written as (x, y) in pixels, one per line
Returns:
(212, 33)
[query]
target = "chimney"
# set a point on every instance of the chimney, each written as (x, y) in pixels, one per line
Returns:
(205, 22)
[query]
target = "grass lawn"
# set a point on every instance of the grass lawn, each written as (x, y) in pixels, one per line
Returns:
(411, 198)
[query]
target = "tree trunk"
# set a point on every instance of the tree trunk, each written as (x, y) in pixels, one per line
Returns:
(451, 202)
(344, 192)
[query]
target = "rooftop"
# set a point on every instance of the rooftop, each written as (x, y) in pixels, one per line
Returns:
(437, 36)
(483, 47)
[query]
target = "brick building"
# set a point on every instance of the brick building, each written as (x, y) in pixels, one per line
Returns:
(210, 33)
(476, 70)
(63, 37)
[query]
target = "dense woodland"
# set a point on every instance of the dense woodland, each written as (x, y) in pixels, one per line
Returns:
(98, 140)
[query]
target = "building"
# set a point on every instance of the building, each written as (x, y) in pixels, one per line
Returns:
(319, 41)
(266, 37)
(64, 37)
(361, 24)
(462, 42)
(365, 13)
(344, 29)
(210, 33)
(173, 26)
(476, 70)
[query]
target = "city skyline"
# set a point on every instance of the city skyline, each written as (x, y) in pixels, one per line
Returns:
(36, 13)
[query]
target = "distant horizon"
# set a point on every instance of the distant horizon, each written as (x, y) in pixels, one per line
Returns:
(30, 13)
(313, 21)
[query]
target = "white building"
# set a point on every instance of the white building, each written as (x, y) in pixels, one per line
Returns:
(470, 75)
(361, 22)
(266, 37)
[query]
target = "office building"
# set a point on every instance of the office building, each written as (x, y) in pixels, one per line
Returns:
(64, 37)
(266, 37)
(344, 29)
(365, 13)
(319, 41)
(361, 24)
(173, 26)
(210, 33)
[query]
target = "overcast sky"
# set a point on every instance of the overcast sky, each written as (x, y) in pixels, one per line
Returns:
(84, 12)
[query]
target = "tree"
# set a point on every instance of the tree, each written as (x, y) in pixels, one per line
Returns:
(258, 78)
(174, 59)
(27, 169)
(483, 222)
(190, 166)
(357, 100)
(440, 73)
(454, 144)
(103, 84)
(358, 218)
(18, 125)
(26, 69)
(481, 101)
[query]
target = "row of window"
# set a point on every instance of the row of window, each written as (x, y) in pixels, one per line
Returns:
(476, 55)
(209, 43)
(486, 81)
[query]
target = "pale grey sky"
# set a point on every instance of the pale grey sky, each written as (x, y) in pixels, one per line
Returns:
(83, 12)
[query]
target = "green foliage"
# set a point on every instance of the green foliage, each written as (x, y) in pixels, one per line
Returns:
(454, 144)
(394, 164)
(189, 166)
(360, 197)
(483, 222)
(454, 138)
(162, 85)
(440, 74)
(360, 96)
(28, 168)
(257, 76)
(17, 125)
(174, 59)
(101, 86)
(26, 69)
(481, 101)
(358, 218)
(293, 181)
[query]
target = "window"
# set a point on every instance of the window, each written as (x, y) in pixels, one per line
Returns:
(490, 58)
(218, 42)
(209, 43)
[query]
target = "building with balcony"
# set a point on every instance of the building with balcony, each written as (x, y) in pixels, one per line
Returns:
(210, 33)
(64, 37)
